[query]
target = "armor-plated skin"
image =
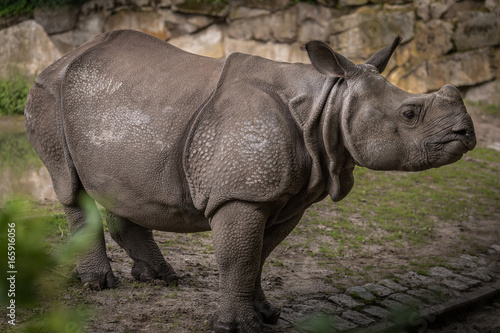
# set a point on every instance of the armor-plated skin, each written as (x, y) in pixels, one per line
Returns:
(171, 141)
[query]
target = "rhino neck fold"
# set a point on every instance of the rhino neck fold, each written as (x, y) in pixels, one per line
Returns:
(319, 119)
(335, 159)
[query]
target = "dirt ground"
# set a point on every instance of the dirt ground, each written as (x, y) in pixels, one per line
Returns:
(291, 276)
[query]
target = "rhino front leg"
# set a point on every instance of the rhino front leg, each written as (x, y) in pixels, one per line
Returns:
(238, 232)
(272, 237)
(93, 266)
(138, 242)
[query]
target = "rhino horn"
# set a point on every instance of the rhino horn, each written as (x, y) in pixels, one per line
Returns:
(381, 58)
(327, 61)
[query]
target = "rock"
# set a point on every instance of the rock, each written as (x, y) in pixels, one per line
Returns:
(357, 318)
(454, 284)
(378, 289)
(255, 28)
(422, 8)
(443, 292)
(441, 272)
(211, 8)
(340, 324)
(70, 40)
(323, 306)
(406, 55)
(426, 295)
(56, 20)
(439, 8)
(312, 30)
(96, 6)
(360, 292)
(308, 12)
(477, 29)
(26, 49)
(279, 27)
(271, 5)
(392, 285)
(274, 51)
(391, 304)
(313, 22)
(344, 300)
(147, 22)
(492, 4)
(494, 269)
(328, 3)
(377, 311)
(347, 3)
(208, 42)
(87, 28)
(412, 80)
(457, 7)
(140, 3)
(359, 35)
(433, 39)
(92, 24)
(497, 61)
(468, 281)
(284, 26)
(164, 3)
(302, 308)
(9, 21)
(178, 24)
(406, 299)
(416, 280)
(237, 13)
(474, 261)
(460, 69)
(481, 273)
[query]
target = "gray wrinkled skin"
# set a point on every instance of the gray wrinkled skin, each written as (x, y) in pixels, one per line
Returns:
(241, 146)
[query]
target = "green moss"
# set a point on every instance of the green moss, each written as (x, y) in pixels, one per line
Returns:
(487, 108)
(16, 152)
(13, 93)
(12, 8)
(405, 208)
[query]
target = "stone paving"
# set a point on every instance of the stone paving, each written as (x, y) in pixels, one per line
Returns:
(412, 303)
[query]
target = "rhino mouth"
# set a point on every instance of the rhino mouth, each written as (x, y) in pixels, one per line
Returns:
(455, 147)
(450, 150)
(462, 140)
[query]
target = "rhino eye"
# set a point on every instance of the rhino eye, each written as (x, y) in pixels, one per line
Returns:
(409, 114)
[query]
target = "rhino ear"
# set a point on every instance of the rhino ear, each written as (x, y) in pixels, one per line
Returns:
(327, 61)
(381, 58)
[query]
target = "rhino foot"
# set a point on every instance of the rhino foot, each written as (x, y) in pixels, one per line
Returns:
(143, 272)
(250, 326)
(97, 280)
(270, 314)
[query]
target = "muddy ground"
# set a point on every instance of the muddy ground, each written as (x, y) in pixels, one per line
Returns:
(291, 275)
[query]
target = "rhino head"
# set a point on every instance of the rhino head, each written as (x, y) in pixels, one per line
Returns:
(386, 128)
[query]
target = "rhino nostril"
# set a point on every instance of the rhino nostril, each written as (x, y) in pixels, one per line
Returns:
(461, 132)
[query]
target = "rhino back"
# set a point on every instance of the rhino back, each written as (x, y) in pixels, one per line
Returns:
(127, 103)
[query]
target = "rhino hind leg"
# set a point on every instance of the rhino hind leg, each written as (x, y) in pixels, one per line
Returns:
(93, 267)
(138, 242)
(44, 128)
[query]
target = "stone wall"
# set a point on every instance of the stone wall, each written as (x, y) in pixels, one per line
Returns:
(444, 41)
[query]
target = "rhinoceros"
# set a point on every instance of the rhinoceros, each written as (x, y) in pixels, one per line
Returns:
(242, 146)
